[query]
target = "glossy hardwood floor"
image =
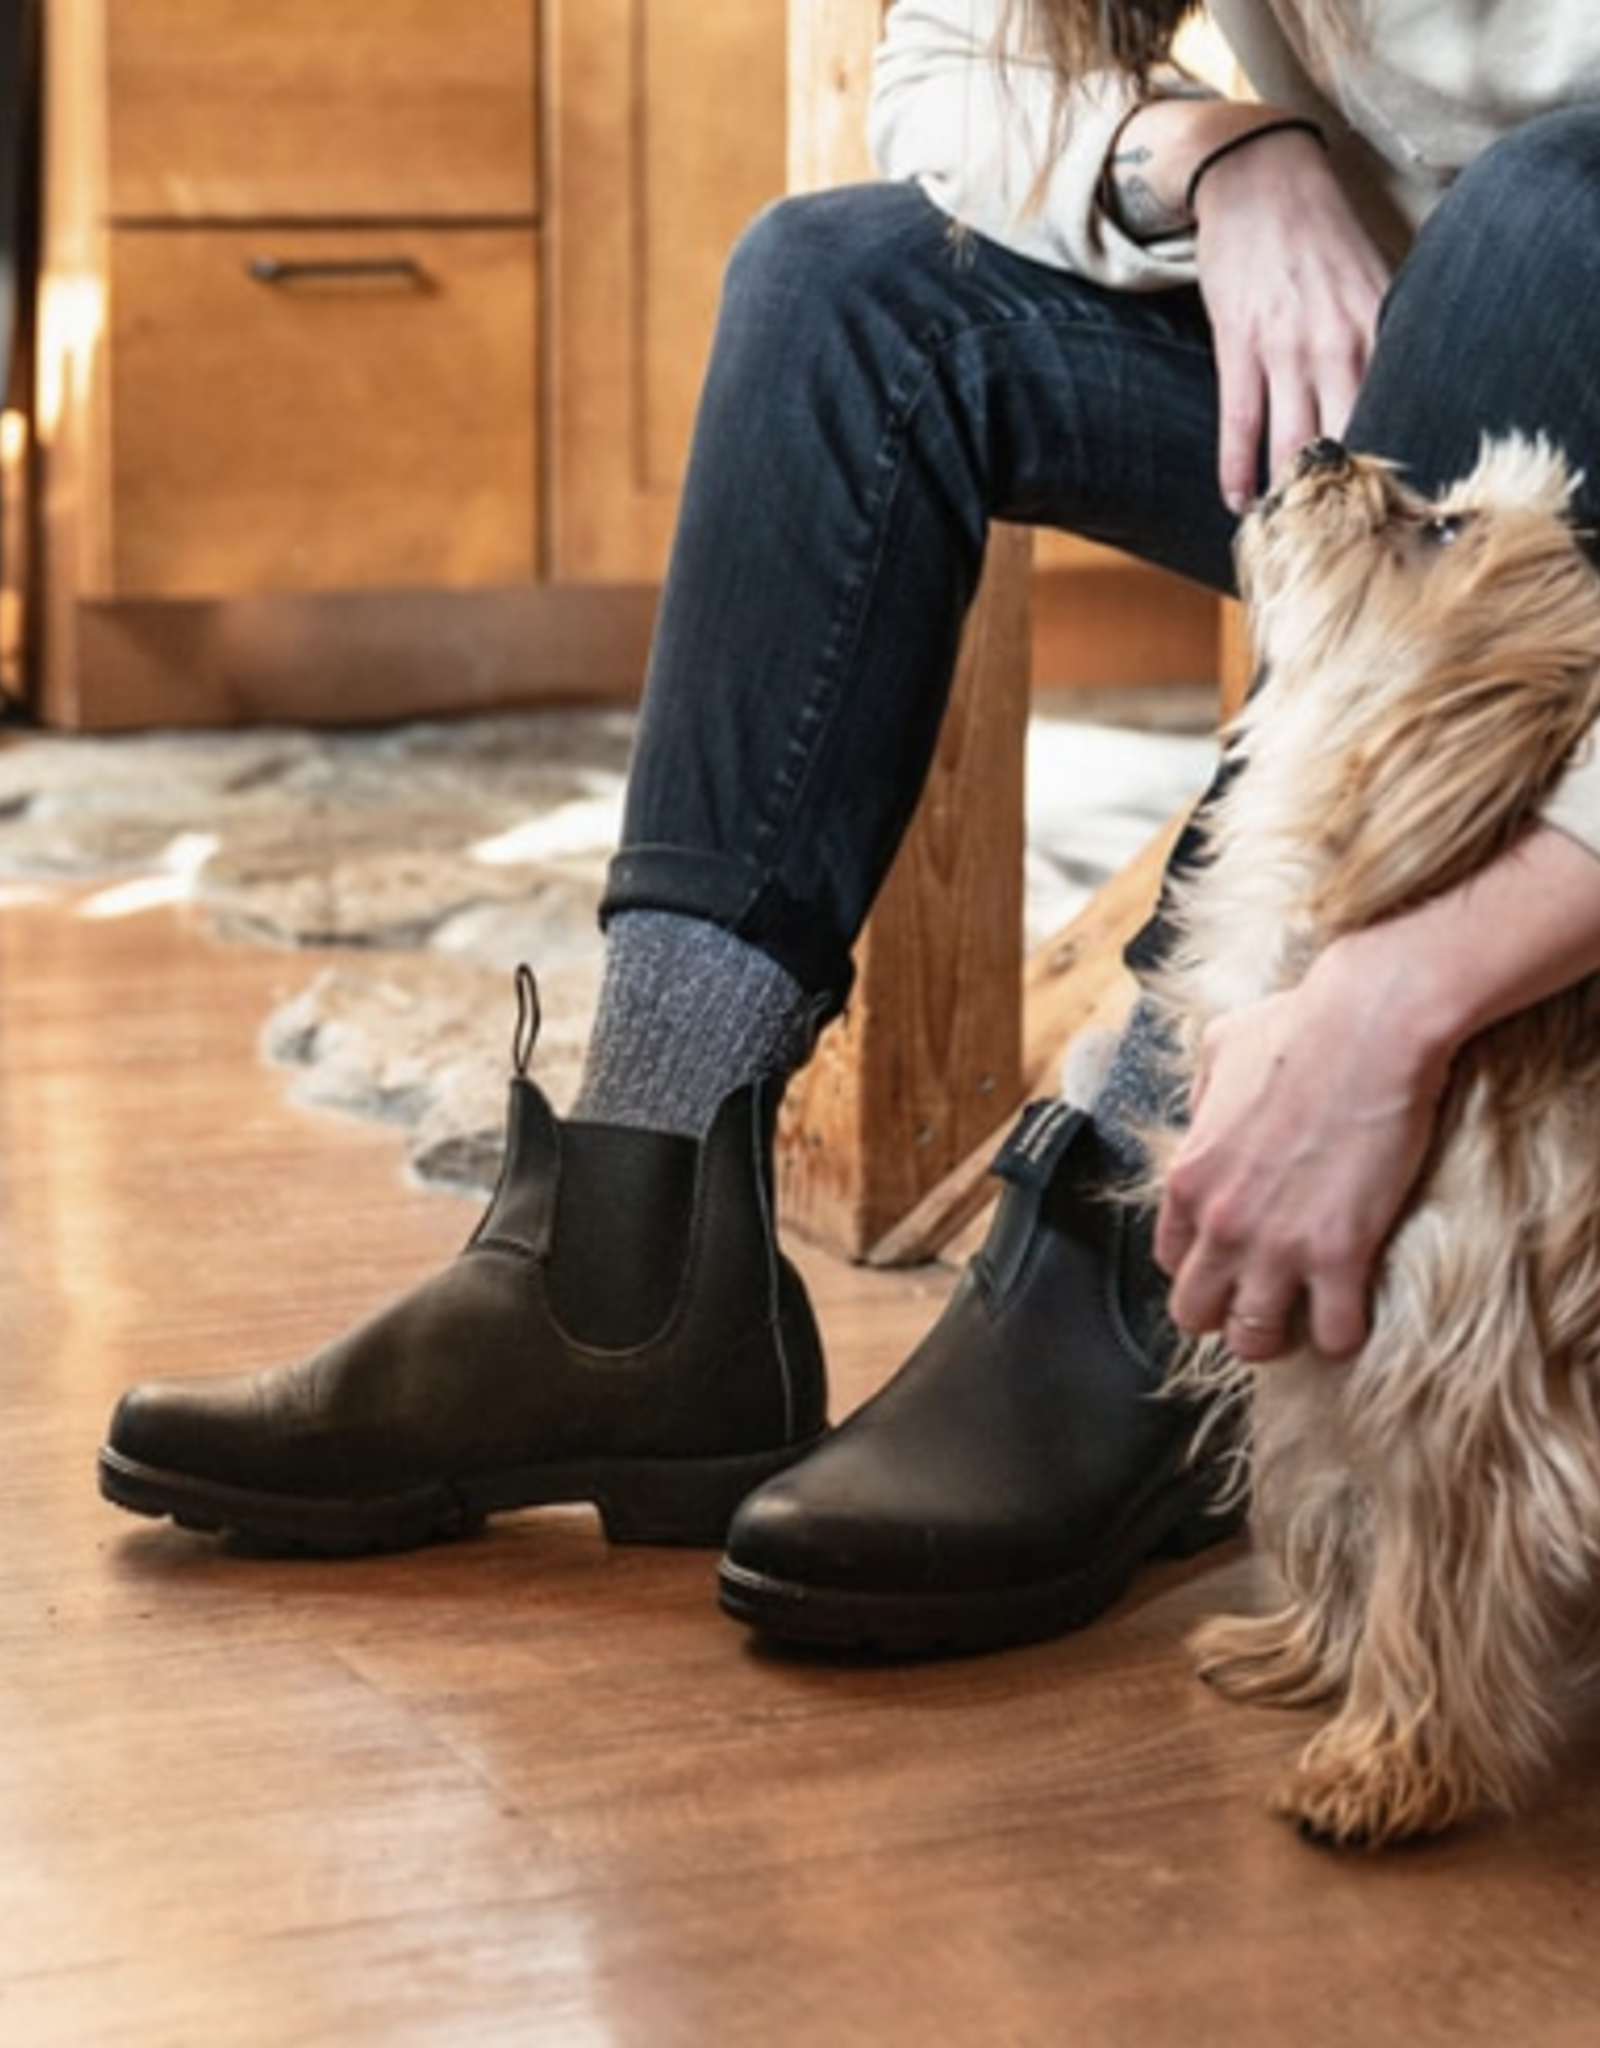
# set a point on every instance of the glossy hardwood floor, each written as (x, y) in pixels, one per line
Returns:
(530, 1790)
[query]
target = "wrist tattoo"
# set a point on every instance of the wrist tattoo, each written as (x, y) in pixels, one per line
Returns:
(1132, 201)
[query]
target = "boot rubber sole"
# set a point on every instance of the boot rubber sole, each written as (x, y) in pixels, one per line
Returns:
(687, 1502)
(865, 1622)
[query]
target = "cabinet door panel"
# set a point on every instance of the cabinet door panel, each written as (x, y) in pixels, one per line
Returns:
(668, 134)
(364, 417)
(331, 108)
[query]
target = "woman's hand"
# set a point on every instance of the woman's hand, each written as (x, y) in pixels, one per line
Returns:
(1290, 278)
(1293, 285)
(1315, 1108)
(1309, 1128)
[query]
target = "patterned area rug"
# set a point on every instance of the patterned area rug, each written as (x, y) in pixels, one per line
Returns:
(444, 853)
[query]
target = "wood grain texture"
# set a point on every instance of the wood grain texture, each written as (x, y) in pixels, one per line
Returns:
(831, 46)
(321, 109)
(666, 136)
(356, 657)
(531, 1791)
(362, 416)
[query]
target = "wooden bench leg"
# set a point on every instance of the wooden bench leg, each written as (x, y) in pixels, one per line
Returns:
(1074, 983)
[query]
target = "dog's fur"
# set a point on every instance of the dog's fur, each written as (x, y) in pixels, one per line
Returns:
(1434, 1504)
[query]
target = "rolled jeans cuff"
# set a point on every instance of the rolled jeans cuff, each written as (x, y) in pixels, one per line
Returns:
(724, 890)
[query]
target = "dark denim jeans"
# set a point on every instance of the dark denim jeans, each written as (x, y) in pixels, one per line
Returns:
(880, 389)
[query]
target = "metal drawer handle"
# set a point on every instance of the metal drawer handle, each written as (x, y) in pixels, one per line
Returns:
(334, 269)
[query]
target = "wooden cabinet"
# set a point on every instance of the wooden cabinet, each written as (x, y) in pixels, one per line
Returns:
(369, 340)
(321, 260)
(369, 337)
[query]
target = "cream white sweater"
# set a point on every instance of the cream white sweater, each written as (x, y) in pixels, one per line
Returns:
(1406, 99)
(1406, 91)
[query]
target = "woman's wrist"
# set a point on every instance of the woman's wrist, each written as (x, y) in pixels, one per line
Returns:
(1280, 124)
(1520, 929)
(1408, 1022)
(1164, 149)
(1139, 187)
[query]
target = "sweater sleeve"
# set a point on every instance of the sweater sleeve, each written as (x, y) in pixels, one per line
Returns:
(1573, 806)
(979, 132)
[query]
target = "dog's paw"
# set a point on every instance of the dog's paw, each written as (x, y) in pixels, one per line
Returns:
(1371, 1799)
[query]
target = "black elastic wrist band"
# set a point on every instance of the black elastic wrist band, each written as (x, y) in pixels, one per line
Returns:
(1287, 124)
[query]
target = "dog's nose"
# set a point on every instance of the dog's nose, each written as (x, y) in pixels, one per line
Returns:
(1323, 453)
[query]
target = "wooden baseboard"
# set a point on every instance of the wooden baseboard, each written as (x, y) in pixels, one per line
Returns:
(365, 657)
(344, 658)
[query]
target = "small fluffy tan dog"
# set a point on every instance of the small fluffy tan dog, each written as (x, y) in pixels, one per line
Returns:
(1434, 1504)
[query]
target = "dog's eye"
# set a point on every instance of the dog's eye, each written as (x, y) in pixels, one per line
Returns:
(1444, 529)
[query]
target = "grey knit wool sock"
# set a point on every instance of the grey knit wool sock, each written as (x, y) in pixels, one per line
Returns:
(687, 1014)
(1135, 1092)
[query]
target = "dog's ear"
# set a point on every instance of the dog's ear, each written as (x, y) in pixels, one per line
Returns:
(1438, 793)
(1527, 471)
(1476, 707)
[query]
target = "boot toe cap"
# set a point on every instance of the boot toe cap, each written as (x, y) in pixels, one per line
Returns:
(212, 1429)
(833, 1521)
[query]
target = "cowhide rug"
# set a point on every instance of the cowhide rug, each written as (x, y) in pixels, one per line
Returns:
(435, 856)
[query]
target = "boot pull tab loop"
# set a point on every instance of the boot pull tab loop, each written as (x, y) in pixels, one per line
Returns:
(526, 1035)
